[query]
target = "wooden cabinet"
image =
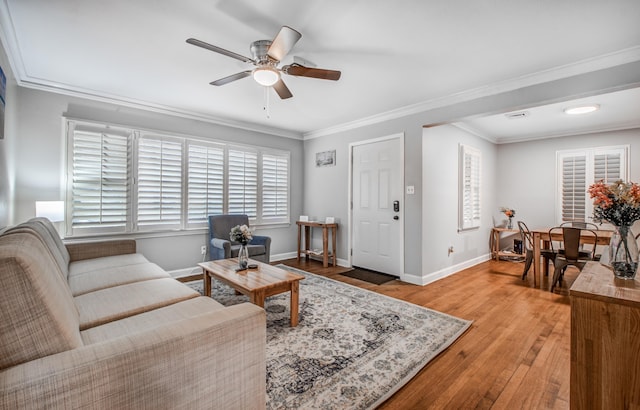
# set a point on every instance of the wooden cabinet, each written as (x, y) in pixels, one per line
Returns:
(605, 340)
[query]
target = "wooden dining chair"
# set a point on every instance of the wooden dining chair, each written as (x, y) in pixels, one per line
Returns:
(571, 253)
(581, 225)
(527, 243)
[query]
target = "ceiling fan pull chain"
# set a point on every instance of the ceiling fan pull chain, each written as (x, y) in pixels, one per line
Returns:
(266, 102)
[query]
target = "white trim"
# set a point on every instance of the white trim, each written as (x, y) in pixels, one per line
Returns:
(609, 60)
(400, 136)
(431, 277)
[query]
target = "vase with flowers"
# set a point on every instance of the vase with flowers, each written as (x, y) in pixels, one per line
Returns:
(242, 234)
(619, 204)
(509, 213)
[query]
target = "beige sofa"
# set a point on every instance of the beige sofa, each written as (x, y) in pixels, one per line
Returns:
(96, 325)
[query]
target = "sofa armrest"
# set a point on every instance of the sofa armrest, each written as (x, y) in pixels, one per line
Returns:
(214, 360)
(89, 250)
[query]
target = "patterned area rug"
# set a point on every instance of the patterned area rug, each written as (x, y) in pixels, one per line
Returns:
(352, 348)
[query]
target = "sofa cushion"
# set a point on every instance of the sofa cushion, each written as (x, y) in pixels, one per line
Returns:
(38, 316)
(106, 305)
(253, 250)
(150, 320)
(114, 276)
(89, 265)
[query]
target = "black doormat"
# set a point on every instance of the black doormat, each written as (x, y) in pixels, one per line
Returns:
(370, 276)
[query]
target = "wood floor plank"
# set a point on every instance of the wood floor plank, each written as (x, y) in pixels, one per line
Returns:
(515, 354)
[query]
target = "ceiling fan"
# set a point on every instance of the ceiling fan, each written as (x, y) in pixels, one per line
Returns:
(267, 54)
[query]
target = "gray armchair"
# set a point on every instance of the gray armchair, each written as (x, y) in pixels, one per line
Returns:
(221, 247)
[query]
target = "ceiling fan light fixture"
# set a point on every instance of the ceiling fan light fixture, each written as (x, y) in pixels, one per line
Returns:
(266, 76)
(583, 109)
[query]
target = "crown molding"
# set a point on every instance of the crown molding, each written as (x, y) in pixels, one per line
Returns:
(605, 61)
(43, 85)
(535, 137)
(23, 79)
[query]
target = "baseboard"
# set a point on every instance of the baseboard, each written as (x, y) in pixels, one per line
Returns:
(443, 273)
(290, 255)
(181, 273)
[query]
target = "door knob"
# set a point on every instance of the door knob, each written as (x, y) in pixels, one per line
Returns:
(396, 217)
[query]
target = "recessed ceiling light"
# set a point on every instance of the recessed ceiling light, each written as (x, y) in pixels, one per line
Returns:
(583, 109)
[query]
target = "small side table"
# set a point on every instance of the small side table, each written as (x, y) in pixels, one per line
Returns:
(326, 254)
(496, 253)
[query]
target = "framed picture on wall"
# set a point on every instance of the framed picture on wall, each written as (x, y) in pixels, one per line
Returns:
(326, 158)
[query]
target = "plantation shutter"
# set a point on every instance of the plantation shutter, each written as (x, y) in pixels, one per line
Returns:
(275, 188)
(99, 183)
(578, 169)
(205, 182)
(574, 188)
(607, 167)
(242, 170)
(159, 192)
(469, 207)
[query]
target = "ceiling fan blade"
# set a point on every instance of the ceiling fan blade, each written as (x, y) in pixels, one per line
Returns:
(231, 78)
(282, 90)
(217, 49)
(283, 43)
(302, 71)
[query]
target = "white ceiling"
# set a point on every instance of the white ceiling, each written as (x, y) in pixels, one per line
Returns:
(393, 55)
(618, 110)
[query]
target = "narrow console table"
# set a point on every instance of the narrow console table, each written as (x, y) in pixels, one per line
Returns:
(494, 244)
(605, 340)
(325, 253)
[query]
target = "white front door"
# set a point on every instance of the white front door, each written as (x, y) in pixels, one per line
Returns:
(378, 210)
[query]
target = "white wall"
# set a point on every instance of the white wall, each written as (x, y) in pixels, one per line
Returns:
(40, 163)
(527, 172)
(440, 199)
(326, 189)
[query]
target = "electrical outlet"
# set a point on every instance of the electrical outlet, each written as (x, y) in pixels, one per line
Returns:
(203, 249)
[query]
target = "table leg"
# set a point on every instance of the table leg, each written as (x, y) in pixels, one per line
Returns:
(307, 239)
(333, 244)
(206, 278)
(325, 247)
(299, 239)
(295, 290)
(536, 257)
(257, 298)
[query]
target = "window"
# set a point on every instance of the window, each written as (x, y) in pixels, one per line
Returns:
(159, 183)
(469, 195)
(577, 169)
(123, 180)
(100, 179)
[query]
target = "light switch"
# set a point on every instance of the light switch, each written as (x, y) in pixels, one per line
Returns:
(411, 190)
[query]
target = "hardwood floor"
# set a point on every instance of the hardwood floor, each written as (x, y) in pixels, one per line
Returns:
(516, 355)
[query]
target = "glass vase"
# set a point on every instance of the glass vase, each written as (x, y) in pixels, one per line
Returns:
(623, 253)
(243, 257)
(510, 223)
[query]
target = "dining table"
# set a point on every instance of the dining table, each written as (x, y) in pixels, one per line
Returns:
(541, 240)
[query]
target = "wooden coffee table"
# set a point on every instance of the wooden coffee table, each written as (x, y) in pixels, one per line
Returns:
(258, 283)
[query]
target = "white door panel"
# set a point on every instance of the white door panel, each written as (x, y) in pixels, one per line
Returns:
(377, 227)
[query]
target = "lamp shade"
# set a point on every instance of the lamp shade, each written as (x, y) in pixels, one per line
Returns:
(52, 210)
